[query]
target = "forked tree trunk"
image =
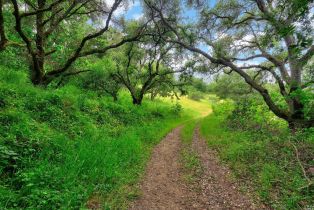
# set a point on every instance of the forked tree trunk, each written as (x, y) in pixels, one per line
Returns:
(37, 73)
(38, 58)
(137, 100)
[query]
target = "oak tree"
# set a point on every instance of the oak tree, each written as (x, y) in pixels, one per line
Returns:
(274, 38)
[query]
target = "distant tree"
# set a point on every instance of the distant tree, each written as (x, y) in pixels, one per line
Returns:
(199, 84)
(168, 87)
(101, 81)
(230, 86)
(146, 66)
(270, 37)
(49, 21)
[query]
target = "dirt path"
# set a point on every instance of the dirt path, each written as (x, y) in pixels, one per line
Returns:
(216, 190)
(164, 188)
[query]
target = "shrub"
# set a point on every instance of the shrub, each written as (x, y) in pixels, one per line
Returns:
(223, 108)
(196, 95)
(58, 147)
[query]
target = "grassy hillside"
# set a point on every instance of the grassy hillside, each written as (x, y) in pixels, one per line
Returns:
(266, 161)
(68, 148)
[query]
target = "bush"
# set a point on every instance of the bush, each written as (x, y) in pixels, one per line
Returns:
(196, 95)
(252, 114)
(177, 108)
(223, 108)
(267, 161)
(59, 147)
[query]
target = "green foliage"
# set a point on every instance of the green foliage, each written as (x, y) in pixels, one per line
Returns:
(223, 108)
(192, 167)
(230, 86)
(248, 109)
(307, 98)
(60, 147)
(267, 162)
(197, 89)
(199, 85)
(100, 78)
(196, 95)
(252, 113)
(177, 108)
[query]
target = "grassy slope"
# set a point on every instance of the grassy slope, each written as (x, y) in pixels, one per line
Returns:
(62, 148)
(266, 162)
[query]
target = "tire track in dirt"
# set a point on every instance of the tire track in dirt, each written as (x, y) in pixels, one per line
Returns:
(214, 186)
(164, 188)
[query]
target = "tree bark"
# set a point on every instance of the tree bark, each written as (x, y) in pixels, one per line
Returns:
(38, 65)
(3, 39)
(137, 100)
(296, 124)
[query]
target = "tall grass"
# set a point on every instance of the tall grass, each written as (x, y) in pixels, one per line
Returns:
(268, 163)
(61, 148)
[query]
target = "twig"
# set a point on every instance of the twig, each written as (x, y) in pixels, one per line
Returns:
(302, 168)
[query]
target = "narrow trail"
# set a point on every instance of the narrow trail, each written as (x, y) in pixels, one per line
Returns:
(216, 190)
(164, 188)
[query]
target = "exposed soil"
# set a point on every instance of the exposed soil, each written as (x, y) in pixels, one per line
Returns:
(164, 188)
(215, 187)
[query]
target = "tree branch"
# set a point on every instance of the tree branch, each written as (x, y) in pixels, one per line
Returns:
(26, 14)
(308, 55)
(78, 53)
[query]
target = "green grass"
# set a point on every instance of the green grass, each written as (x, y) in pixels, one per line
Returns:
(191, 163)
(61, 148)
(189, 158)
(265, 162)
(188, 131)
(197, 109)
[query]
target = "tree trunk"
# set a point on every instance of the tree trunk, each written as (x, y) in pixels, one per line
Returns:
(297, 118)
(299, 124)
(38, 60)
(3, 39)
(137, 100)
(36, 73)
(115, 97)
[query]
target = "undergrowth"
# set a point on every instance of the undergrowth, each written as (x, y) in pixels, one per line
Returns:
(267, 160)
(61, 147)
